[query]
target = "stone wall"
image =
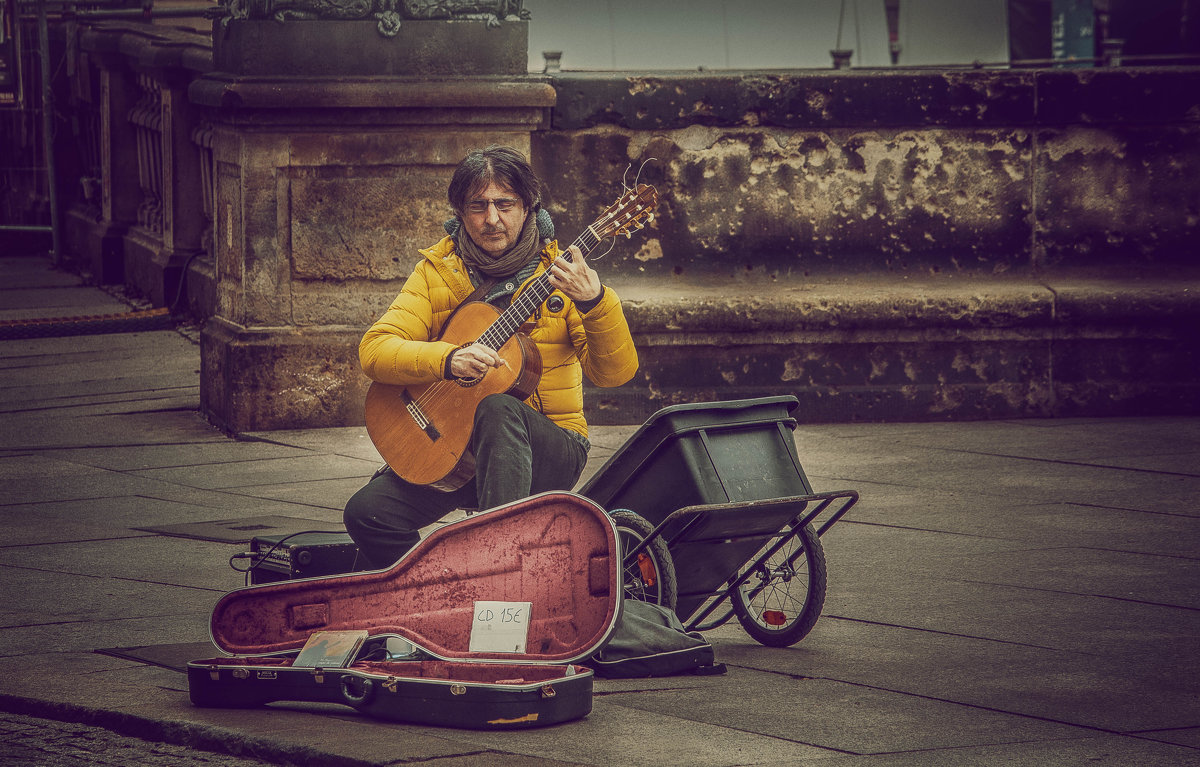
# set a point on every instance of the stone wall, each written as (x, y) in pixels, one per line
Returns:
(905, 173)
(898, 245)
(885, 245)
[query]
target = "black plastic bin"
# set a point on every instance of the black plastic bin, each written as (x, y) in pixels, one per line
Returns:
(720, 484)
(703, 453)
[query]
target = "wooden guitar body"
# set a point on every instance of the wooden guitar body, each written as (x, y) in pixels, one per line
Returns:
(423, 431)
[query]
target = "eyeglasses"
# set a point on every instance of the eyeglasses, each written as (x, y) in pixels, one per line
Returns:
(503, 205)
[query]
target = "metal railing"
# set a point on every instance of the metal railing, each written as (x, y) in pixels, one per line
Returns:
(27, 120)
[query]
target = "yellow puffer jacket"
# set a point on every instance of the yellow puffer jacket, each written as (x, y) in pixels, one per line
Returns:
(399, 348)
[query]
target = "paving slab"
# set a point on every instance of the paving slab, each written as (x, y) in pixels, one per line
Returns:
(35, 302)
(1016, 592)
(239, 530)
(99, 397)
(351, 441)
(147, 558)
(263, 472)
(1050, 524)
(854, 718)
(1039, 618)
(842, 445)
(38, 430)
(328, 493)
(224, 452)
(1066, 686)
(87, 632)
(1026, 479)
(91, 519)
(1101, 749)
(43, 478)
(23, 271)
(615, 733)
(1185, 736)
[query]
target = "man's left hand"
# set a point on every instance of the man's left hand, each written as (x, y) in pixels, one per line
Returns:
(579, 281)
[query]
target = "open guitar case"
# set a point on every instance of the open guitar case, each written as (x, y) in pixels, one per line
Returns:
(558, 552)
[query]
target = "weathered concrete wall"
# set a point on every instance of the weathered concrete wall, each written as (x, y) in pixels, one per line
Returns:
(906, 245)
(795, 203)
(904, 173)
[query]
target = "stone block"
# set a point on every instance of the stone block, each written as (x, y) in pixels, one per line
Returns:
(952, 350)
(96, 244)
(884, 378)
(1126, 347)
(352, 303)
(787, 204)
(386, 148)
(1137, 95)
(330, 47)
(1133, 374)
(1117, 197)
(365, 222)
(280, 378)
(802, 100)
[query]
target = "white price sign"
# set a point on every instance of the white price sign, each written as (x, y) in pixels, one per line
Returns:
(500, 627)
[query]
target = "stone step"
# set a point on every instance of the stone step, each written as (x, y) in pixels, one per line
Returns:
(875, 348)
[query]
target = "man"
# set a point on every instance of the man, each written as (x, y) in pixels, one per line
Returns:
(500, 237)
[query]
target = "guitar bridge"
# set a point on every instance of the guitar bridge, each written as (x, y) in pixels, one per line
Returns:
(418, 415)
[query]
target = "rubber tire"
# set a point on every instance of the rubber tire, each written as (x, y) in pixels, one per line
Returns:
(809, 572)
(632, 529)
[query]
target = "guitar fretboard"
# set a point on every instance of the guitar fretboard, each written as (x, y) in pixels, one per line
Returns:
(527, 303)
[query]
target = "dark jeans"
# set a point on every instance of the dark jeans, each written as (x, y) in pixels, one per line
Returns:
(518, 452)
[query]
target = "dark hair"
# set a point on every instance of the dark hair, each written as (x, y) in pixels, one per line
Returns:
(502, 164)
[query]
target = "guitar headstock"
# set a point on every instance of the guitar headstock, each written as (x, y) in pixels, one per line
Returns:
(632, 211)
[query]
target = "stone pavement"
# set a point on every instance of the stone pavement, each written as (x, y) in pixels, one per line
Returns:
(1016, 592)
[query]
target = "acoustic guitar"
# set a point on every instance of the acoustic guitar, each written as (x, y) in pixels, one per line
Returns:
(423, 431)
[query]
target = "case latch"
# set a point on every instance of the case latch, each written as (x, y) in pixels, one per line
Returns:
(458, 689)
(241, 673)
(548, 691)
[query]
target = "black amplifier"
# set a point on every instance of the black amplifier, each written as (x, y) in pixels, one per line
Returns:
(283, 557)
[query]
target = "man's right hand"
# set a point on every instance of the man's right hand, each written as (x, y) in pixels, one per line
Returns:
(474, 361)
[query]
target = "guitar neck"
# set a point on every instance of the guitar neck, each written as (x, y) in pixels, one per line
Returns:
(527, 303)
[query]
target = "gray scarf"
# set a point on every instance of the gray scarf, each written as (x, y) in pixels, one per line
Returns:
(537, 228)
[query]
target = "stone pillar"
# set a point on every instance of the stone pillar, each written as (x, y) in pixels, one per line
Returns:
(328, 180)
(94, 234)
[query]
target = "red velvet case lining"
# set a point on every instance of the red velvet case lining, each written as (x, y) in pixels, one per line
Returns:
(555, 550)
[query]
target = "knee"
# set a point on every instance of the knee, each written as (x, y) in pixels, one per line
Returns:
(358, 510)
(497, 408)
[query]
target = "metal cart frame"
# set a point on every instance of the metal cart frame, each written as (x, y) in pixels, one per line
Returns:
(721, 485)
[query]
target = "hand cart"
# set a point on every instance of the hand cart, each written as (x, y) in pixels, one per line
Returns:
(718, 518)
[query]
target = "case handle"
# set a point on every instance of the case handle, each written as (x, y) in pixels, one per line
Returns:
(356, 690)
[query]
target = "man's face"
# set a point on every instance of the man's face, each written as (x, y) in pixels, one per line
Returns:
(493, 217)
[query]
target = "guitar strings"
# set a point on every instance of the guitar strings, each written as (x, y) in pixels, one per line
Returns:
(439, 391)
(527, 303)
(638, 178)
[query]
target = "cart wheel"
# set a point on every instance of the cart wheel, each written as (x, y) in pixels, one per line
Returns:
(782, 600)
(652, 577)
